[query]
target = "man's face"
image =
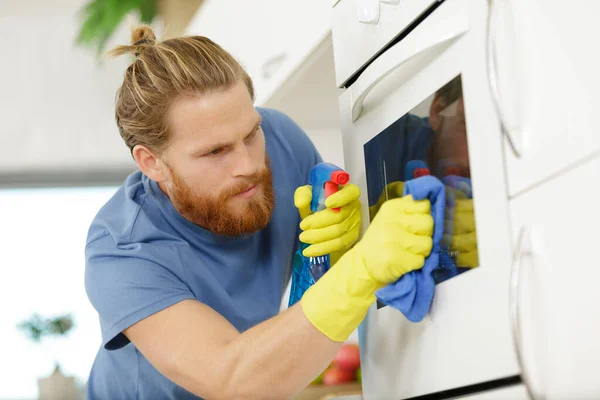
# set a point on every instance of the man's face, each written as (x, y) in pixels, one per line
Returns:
(219, 175)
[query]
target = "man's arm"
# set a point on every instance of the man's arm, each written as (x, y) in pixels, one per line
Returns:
(198, 349)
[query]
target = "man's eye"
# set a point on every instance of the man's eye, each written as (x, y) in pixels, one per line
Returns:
(253, 134)
(214, 152)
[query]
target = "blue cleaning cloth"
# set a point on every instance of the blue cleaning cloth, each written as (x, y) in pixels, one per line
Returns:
(412, 294)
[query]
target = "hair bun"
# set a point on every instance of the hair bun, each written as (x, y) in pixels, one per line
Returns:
(142, 35)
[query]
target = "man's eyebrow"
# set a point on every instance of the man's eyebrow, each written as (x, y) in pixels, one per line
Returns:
(219, 145)
(257, 124)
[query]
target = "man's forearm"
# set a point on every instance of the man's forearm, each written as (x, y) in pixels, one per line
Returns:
(198, 349)
(277, 358)
(286, 352)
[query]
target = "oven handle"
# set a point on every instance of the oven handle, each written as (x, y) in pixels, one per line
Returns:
(522, 250)
(437, 38)
(512, 135)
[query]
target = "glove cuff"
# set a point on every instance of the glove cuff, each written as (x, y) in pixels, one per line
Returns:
(339, 301)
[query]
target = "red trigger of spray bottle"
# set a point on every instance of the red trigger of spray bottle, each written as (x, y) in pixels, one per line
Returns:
(332, 185)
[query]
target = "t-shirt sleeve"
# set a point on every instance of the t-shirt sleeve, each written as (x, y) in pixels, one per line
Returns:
(127, 283)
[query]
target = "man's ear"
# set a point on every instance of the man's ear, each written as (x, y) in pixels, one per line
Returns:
(435, 119)
(149, 163)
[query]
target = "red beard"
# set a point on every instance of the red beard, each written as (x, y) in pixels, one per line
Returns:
(214, 214)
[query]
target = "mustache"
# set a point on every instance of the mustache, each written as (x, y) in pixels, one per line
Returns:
(254, 180)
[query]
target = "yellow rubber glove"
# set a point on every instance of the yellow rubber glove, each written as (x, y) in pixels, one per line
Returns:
(397, 242)
(328, 231)
(460, 233)
(302, 199)
(392, 190)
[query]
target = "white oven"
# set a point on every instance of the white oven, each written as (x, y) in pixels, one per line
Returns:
(427, 97)
(502, 94)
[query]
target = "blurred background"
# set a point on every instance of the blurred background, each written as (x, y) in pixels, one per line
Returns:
(61, 156)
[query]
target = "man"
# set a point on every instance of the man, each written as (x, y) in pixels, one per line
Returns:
(187, 263)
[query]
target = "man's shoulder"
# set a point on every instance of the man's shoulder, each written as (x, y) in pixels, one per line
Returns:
(272, 115)
(275, 122)
(124, 215)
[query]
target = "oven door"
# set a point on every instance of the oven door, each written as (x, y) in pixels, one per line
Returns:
(427, 99)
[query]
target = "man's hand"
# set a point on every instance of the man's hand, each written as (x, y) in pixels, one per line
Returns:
(397, 242)
(398, 239)
(328, 231)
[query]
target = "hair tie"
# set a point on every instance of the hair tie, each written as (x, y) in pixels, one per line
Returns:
(141, 42)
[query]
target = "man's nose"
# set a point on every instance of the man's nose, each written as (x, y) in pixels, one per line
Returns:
(243, 162)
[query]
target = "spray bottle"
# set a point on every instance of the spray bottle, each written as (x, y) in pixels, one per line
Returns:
(325, 180)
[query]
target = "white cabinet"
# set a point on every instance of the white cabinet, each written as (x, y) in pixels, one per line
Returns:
(270, 38)
(547, 85)
(361, 28)
(413, 91)
(556, 287)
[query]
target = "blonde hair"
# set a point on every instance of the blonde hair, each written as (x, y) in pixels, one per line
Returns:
(161, 73)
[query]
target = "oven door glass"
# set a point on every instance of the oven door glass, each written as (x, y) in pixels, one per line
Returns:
(431, 139)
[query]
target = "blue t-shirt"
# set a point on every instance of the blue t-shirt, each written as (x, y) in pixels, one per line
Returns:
(143, 256)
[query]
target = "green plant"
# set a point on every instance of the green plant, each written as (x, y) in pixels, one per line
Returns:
(102, 17)
(36, 327)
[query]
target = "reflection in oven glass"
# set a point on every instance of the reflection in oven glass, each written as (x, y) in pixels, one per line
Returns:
(433, 135)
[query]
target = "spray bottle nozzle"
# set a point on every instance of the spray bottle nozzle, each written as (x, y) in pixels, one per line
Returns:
(340, 177)
(325, 179)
